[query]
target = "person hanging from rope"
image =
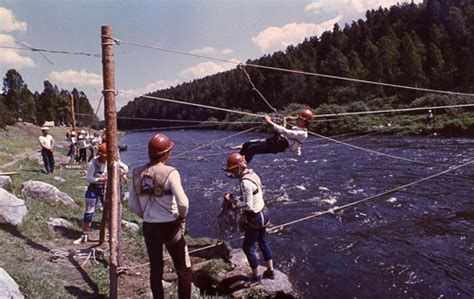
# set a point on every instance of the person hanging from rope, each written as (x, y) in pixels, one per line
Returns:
(97, 178)
(256, 215)
(157, 196)
(283, 139)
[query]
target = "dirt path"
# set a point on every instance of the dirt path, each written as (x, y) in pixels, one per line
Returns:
(17, 158)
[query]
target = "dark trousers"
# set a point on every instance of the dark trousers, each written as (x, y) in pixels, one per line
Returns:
(272, 145)
(156, 234)
(48, 160)
(254, 236)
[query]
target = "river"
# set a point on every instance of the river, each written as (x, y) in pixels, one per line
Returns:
(414, 243)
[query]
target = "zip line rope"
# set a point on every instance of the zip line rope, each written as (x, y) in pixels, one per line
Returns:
(316, 116)
(330, 211)
(216, 141)
(32, 49)
(119, 42)
(193, 104)
(366, 149)
(254, 88)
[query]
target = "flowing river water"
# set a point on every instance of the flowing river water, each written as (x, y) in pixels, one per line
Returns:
(414, 243)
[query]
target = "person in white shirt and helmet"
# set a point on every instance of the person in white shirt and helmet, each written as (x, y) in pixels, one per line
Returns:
(157, 196)
(256, 215)
(283, 139)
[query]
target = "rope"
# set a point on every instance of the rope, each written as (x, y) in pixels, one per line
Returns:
(193, 104)
(98, 106)
(294, 71)
(333, 210)
(329, 211)
(367, 150)
(216, 141)
(316, 116)
(51, 51)
(394, 110)
(242, 67)
(173, 128)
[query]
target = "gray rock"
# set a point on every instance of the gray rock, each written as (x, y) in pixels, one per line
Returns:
(130, 226)
(36, 190)
(12, 209)
(59, 158)
(5, 181)
(8, 287)
(59, 223)
(267, 287)
(59, 179)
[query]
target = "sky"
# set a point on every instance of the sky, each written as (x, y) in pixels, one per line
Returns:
(227, 29)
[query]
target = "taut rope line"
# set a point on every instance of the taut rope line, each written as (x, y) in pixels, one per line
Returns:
(366, 149)
(316, 116)
(294, 71)
(216, 141)
(193, 104)
(329, 211)
(254, 88)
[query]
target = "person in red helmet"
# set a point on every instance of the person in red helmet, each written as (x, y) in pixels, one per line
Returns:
(256, 216)
(283, 139)
(157, 196)
(95, 193)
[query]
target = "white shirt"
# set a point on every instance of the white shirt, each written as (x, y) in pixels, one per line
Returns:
(295, 136)
(249, 185)
(97, 169)
(47, 141)
(166, 208)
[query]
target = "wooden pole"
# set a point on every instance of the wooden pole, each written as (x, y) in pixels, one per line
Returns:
(73, 115)
(112, 196)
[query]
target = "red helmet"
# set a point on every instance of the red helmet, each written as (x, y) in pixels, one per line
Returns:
(235, 160)
(103, 149)
(306, 114)
(159, 145)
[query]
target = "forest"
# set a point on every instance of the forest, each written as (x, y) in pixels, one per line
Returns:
(426, 45)
(18, 103)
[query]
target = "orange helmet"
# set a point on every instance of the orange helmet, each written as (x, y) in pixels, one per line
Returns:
(103, 149)
(159, 145)
(306, 114)
(235, 160)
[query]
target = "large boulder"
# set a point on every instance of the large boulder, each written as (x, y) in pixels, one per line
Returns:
(8, 287)
(281, 285)
(13, 210)
(5, 181)
(36, 190)
(59, 158)
(55, 224)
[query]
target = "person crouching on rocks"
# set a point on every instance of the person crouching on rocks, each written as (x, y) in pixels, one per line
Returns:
(157, 196)
(257, 217)
(97, 178)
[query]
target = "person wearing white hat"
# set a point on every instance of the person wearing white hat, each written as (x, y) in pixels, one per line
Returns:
(47, 145)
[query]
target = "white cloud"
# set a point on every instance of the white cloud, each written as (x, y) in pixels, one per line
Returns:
(74, 78)
(276, 38)
(227, 51)
(8, 22)
(313, 6)
(205, 69)
(10, 58)
(203, 51)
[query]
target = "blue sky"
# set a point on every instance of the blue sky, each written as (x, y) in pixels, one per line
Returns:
(231, 30)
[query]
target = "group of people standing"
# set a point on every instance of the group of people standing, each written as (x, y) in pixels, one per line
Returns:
(80, 143)
(157, 196)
